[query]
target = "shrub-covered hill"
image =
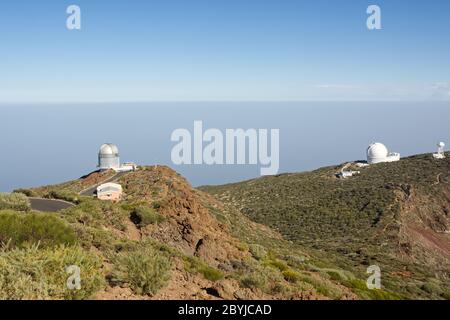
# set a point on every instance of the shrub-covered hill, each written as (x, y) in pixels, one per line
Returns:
(394, 215)
(164, 240)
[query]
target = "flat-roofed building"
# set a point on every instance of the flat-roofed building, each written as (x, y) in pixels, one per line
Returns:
(109, 191)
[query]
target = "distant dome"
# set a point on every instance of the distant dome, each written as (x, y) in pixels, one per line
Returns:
(377, 151)
(441, 144)
(108, 149)
(108, 157)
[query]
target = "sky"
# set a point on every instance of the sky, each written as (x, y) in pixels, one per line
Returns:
(234, 50)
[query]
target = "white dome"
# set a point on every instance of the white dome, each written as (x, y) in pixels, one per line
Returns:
(377, 150)
(441, 144)
(108, 149)
(376, 153)
(108, 157)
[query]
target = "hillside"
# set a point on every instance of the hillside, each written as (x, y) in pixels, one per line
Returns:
(394, 215)
(164, 240)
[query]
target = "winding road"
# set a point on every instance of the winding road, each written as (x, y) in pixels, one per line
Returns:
(49, 205)
(53, 205)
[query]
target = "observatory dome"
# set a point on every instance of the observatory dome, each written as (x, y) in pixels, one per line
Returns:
(377, 152)
(108, 157)
(108, 149)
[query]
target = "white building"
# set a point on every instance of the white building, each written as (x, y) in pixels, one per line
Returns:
(441, 153)
(347, 173)
(109, 191)
(377, 153)
(344, 173)
(127, 166)
(109, 158)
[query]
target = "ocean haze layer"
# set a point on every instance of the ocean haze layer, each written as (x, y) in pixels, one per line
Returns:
(47, 144)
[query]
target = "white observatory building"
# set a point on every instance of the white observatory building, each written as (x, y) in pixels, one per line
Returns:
(378, 153)
(440, 153)
(108, 157)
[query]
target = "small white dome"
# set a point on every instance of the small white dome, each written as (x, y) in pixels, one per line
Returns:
(441, 144)
(377, 151)
(108, 149)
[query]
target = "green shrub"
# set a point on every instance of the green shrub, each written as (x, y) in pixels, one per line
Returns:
(89, 237)
(35, 274)
(19, 229)
(334, 275)
(156, 205)
(145, 269)
(278, 264)
(291, 275)
(254, 280)
(195, 265)
(27, 192)
(241, 246)
(144, 216)
(64, 195)
(323, 287)
(258, 252)
(295, 261)
(95, 213)
(211, 273)
(446, 295)
(14, 201)
(360, 288)
(432, 287)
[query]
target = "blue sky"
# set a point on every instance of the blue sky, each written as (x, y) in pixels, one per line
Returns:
(233, 50)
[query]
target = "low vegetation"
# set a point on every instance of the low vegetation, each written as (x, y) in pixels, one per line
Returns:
(22, 229)
(143, 216)
(145, 269)
(196, 265)
(34, 273)
(14, 201)
(356, 222)
(294, 236)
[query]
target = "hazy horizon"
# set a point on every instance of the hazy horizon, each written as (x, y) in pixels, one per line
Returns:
(52, 144)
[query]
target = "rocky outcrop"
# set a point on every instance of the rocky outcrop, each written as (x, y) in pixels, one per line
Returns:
(188, 224)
